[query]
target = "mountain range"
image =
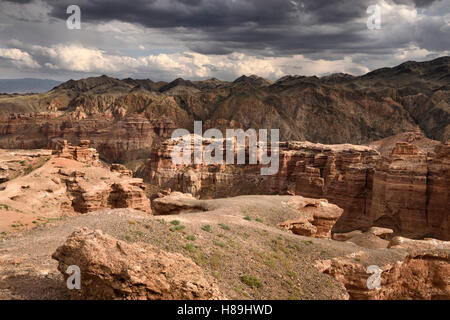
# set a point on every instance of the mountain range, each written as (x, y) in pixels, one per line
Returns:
(337, 108)
(27, 85)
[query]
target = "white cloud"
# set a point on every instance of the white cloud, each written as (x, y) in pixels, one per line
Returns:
(116, 27)
(191, 65)
(18, 58)
(75, 58)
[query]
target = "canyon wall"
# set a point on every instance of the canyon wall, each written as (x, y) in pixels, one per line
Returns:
(410, 192)
(406, 190)
(216, 180)
(118, 139)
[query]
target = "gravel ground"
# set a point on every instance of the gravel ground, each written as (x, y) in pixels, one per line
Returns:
(230, 249)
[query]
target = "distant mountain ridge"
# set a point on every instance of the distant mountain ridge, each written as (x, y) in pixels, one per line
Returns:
(27, 85)
(338, 108)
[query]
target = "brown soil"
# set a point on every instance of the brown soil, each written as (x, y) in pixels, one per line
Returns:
(233, 250)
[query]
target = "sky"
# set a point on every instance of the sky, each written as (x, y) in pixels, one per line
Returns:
(224, 39)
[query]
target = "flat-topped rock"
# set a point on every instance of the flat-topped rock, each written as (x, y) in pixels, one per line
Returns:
(426, 244)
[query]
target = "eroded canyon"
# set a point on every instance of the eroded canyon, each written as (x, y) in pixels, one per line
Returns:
(87, 177)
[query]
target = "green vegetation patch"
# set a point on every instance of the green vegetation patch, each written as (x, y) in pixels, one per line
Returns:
(251, 281)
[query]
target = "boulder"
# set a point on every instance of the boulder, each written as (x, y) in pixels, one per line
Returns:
(346, 236)
(316, 217)
(383, 233)
(175, 203)
(113, 269)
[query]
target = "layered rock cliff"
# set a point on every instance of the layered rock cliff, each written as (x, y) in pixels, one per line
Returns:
(116, 139)
(419, 276)
(406, 190)
(410, 191)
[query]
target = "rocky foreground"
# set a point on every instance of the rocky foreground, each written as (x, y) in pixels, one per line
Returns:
(345, 208)
(235, 248)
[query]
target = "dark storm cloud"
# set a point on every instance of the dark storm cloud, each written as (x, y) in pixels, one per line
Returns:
(274, 27)
(19, 1)
(181, 13)
(218, 13)
(281, 26)
(417, 3)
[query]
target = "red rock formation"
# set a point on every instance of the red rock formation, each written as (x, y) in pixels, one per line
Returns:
(316, 218)
(399, 191)
(129, 195)
(406, 190)
(215, 181)
(383, 233)
(120, 193)
(343, 175)
(418, 276)
(119, 140)
(115, 167)
(81, 153)
(438, 193)
(101, 193)
(113, 269)
(410, 192)
(427, 244)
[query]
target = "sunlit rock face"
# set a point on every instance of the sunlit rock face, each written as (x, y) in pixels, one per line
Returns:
(405, 190)
(115, 270)
(418, 276)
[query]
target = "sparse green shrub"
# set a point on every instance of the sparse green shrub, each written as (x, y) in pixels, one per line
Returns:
(251, 281)
(206, 228)
(189, 247)
(224, 226)
(291, 274)
(28, 170)
(177, 228)
(220, 244)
